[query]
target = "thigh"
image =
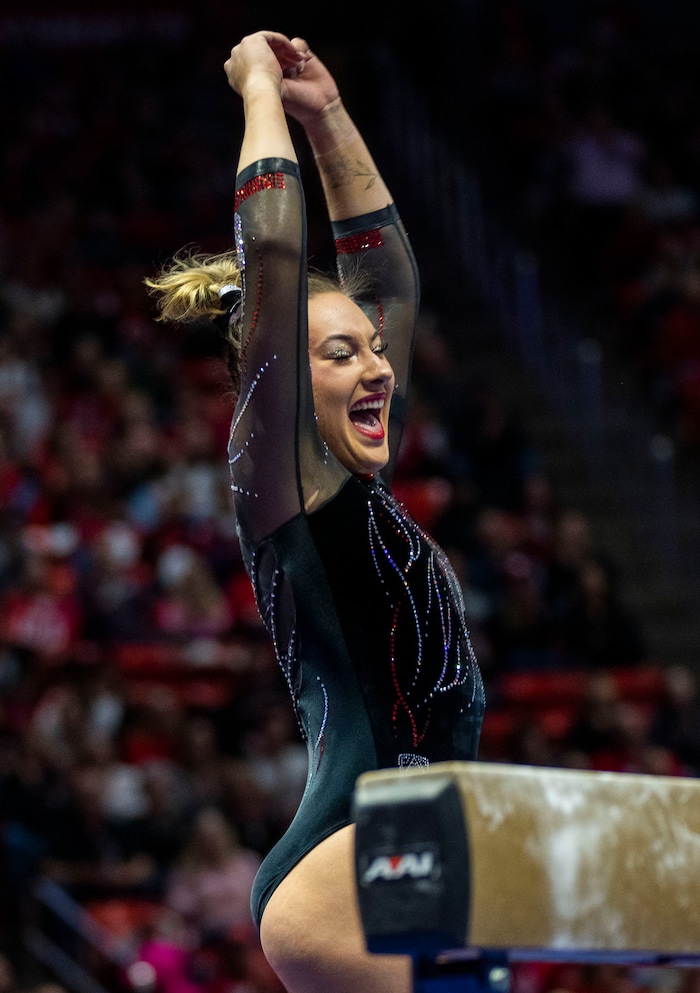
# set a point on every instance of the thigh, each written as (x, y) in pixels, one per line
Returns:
(311, 931)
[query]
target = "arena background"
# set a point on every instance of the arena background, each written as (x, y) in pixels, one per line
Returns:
(545, 158)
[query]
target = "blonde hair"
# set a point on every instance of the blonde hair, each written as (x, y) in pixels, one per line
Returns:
(189, 288)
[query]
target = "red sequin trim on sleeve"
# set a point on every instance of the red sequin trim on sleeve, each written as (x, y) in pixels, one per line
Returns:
(267, 181)
(357, 242)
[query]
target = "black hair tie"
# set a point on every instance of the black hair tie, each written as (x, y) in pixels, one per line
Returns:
(232, 301)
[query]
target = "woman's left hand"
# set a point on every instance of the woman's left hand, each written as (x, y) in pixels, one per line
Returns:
(309, 88)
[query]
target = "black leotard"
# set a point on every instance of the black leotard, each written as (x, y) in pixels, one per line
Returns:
(363, 608)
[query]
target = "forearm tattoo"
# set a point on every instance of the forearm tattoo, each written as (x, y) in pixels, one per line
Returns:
(342, 172)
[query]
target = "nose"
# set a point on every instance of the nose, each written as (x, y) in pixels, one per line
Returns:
(378, 368)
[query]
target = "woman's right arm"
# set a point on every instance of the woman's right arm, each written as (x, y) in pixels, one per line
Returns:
(269, 230)
(255, 70)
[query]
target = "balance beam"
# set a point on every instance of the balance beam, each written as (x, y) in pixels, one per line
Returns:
(479, 861)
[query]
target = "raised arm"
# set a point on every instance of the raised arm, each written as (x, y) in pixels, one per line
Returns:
(269, 231)
(255, 70)
(366, 224)
(351, 181)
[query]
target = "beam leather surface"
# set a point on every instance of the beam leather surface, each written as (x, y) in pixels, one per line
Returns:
(561, 863)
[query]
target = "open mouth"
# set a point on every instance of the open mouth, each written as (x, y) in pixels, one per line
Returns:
(365, 416)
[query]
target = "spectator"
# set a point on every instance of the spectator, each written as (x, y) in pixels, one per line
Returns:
(23, 401)
(571, 545)
(87, 852)
(521, 630)
(153, 725)
(599, 631)
(248, 806)
(210, 884)
(168, 948)
(75, 703)
(42, 615)
(594, 726)
(191, 604)
(161, 828)
(117, 586)
(675, 722)
(199, 758)
(123, 792)
(629, 749)
(277, 758)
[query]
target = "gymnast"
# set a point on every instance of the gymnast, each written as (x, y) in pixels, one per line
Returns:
(363, 608)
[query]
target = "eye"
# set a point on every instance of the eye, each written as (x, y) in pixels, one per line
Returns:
(340, 354)
(380, 348)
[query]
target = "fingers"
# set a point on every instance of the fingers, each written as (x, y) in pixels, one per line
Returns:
(303, 55)
(289, 55)
(301, 45)
(258, 48)
(280, 44)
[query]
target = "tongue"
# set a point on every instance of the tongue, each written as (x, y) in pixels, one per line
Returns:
(364, 418)
(367, 423)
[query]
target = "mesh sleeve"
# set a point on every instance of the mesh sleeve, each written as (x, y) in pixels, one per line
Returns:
(279, 464)
(274, 428)
(378, 246)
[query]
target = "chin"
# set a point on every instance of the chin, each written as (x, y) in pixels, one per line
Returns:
(362, 460)
(369, 467)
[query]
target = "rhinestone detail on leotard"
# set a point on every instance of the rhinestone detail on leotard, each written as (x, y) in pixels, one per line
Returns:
(443, 600)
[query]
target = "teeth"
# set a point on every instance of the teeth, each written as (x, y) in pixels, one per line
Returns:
(368, 405)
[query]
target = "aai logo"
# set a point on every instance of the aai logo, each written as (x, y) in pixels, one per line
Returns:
(409, 865)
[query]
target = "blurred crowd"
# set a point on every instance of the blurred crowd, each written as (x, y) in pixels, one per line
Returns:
(122, 590)
(590, 131)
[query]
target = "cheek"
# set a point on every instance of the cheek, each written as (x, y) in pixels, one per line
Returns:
(324, 420)
(329, 397)
(319, 394)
